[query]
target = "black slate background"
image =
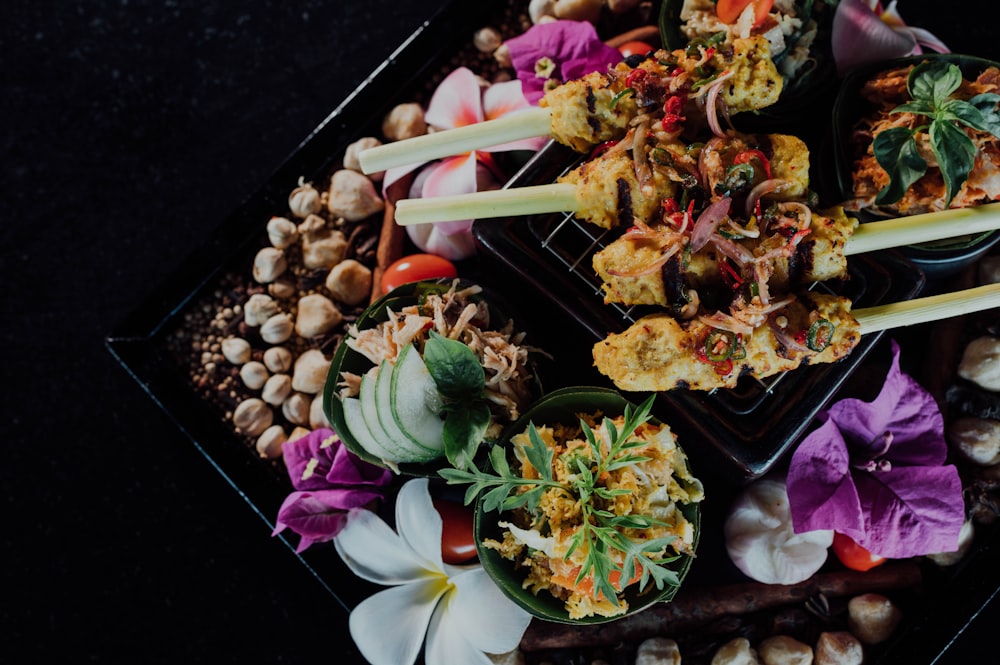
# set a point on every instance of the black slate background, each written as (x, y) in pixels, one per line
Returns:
(129, 130)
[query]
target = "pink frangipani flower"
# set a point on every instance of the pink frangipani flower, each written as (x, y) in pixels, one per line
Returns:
(863, 31)
(458, 101)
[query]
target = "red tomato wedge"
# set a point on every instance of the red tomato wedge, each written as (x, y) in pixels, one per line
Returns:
(853, 555)
(635, 47)
(729, 10)
(414, 268)
(458, 542)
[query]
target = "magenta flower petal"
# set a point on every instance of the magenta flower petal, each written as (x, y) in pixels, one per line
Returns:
(456, 102)
(859, 36)
(874, 471)
(320, 515)
(320, 461)
(572, 46)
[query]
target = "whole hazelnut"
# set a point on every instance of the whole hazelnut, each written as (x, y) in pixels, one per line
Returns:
(304, 200)
(322, 247)
(236, 350)
(317, 315)
(298, 433)
(487, 40)
(976, 439)
(784, 650)
(839, 648)
(658, 651)
(252, 416)
(269, 265)
(356, 148)
(277, 389)
(317, 416)
(283, 288)
(350, 282)
(282, 232)
(277, 329)
(353, 196)
(872, 617)
(404, 122)
(270, 441)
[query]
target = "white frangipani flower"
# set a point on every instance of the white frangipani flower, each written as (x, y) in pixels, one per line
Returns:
(462, 612)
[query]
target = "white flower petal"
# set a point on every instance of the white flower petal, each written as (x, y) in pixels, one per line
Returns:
(389, 626)
(373, 551)
(483, 614)
(418, 523)
(446, 643)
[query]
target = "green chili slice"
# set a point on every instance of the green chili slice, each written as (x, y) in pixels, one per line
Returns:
(719, 345)
(662, 157)
(820, 335)
(617, 98)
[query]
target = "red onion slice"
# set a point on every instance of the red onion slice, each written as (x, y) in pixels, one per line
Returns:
(708, 221)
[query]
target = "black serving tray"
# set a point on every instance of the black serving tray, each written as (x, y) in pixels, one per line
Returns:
(515, 252)
(750, 427)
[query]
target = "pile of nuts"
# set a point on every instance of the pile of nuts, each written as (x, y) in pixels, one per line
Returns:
(260, 345)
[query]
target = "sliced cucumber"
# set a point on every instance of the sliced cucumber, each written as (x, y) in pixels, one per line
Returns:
(383, 404)
(402, 448)
(415, 400)
(364, 436)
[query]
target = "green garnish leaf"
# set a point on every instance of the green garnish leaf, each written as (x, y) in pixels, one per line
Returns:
(988, 118)
(464, 428)
(934, 81)
(896, 152)
(955, 153)
(454, 367)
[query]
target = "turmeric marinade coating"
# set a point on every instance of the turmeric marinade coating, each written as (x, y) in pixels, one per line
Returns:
(659, 353)
(598, 107)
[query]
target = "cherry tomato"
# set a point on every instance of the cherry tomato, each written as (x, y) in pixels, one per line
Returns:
(635, 48)
(414, 268)
(853, 555)
(458, 542)
(729, 10)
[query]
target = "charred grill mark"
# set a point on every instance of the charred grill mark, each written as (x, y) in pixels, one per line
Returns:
(674, 286)
(592, 121)
(800, 263)
(625, 217)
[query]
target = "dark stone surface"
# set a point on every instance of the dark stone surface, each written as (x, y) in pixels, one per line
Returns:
(129, 130)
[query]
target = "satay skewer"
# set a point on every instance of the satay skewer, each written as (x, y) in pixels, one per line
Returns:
(658, 353)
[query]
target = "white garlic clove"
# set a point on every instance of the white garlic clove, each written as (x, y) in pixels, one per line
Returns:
(976, 439)
(269, 265)
(304, 200)
(270, 441)
(965, 539)
(298, 433)
(296, 409)
(760, 539)
(282, 232)
(350, 282)
(282, 288)
(838, 648)
(784, 650)
(236, 350)
(353, 196)
(277, 389)
(317, 315)
(277, 329)
(872, 617)
(353, 150)
(310, 372)
(981, 363)
(658, 651)
(258, 309)
(404, 121)
(322, 246)
(539, 9)
(487, 40)
(579, 10)
(736, 652)
(278, 359)
(252, 416)
(254, 375)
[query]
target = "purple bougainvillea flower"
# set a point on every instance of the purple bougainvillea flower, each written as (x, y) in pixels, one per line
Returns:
(458, 101)
(875, 471)
(329, 480)
(557, 51)
(863, 31)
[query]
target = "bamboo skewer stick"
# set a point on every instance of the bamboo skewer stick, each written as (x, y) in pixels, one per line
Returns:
(927, 309)
(529, 123)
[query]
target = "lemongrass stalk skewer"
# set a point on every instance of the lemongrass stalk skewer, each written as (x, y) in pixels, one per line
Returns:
(927, 309)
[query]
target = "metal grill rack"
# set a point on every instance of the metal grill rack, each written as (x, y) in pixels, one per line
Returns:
(751, 425)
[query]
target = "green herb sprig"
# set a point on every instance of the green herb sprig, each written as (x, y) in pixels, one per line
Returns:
(930, 85)
(461, 380)
(601, 531)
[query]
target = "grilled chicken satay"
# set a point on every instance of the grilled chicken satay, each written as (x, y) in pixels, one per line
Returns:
(659, 353)
(653, 267)
(598, 107)
(628, 183)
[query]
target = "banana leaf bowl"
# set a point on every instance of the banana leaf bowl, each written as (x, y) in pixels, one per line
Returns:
(938, 259)
(565, 407)
(348, 360)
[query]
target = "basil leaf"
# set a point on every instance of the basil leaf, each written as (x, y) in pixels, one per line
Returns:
(955, 153)
(454, 367)
(919, 107)
(933, 81)
(896, 152)
(463, 432)
(987, 104)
